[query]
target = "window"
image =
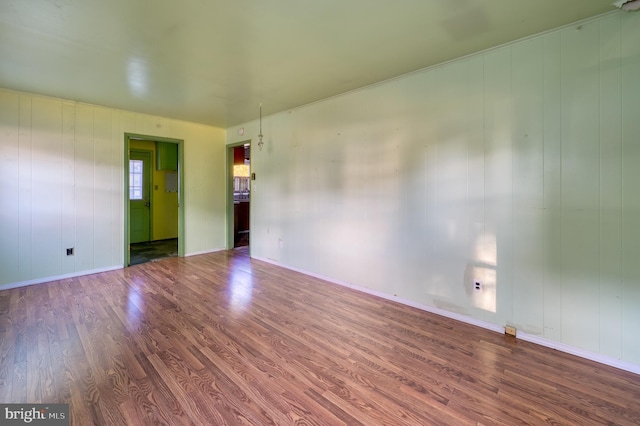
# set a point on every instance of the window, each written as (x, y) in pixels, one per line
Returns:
(135, 179)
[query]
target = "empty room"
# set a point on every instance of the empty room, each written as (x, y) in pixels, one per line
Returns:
(320, 213)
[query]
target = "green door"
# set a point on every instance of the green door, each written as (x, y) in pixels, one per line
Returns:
(139, 196)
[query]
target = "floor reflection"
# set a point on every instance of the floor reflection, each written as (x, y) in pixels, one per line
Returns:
(240, 282)
(135, 304)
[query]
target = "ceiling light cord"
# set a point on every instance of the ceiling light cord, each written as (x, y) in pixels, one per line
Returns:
(260, 142)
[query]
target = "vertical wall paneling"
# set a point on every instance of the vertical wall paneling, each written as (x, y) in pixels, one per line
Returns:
(25, 185)
(321, 187)
(194, 188)
(68, 187)
(62, 181)
(631, 194)
(281, 129)
(433, 279)
(481, 265)
(552, 244)
(105, 191)
(117, 205)
(9, 192)
(580, 185)
(46, 192)
(204, 188)
(85, 187)
(498, 111)
(528, 184)
(610, 301)
(411, 203)
(386, 177)
(340, 182)
(258, 220)
(452, 197)
(299, 206)
(127, 121)
(213, 139)
(274, 210)
(521, 164)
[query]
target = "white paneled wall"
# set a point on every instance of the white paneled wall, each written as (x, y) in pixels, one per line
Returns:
(62, 185)
(517, 167)
(626, 286)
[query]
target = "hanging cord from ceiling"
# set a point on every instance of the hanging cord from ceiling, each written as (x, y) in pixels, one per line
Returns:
(260, 143)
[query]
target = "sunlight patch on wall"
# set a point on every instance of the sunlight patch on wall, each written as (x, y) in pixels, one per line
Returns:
(480, 278)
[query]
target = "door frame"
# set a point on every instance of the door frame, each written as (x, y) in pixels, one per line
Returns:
(230, 236)
(181, 223)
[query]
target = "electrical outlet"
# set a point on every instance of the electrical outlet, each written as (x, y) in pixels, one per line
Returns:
(510, 330)
(477, 286)
(70, 251)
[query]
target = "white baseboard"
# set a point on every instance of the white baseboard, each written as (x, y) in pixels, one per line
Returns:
(582, 353)
(81, 273)
(59, 277)
(599, 358)
(197, 253)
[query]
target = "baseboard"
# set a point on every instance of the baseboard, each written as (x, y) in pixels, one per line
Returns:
(59, 277)
(197, 253)
(81, 273)
(592, 356)
(431, 309)
(582, 353)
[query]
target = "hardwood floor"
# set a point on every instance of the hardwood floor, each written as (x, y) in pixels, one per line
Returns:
(222, 339)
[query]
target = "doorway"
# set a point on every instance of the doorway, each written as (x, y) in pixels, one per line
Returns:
(239, 195)
(154, 208)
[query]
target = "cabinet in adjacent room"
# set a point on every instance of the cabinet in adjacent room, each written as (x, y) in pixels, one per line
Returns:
(166, 156)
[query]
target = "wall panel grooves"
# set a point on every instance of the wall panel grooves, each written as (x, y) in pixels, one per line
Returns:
(62, 185)
(554, 175)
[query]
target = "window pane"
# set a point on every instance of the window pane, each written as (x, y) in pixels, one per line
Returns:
(135, 179)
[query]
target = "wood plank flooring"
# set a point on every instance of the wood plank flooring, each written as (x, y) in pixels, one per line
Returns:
(220, 339)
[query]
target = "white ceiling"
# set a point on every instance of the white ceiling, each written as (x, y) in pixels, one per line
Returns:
(214, 61)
